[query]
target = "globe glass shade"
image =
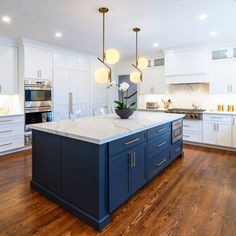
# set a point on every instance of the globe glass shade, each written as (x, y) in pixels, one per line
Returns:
(135, 77)
(112, 56)
(142, 63)
(101, 76)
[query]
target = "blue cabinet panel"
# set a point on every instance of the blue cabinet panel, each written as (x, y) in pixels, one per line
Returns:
(161, 129)
(176, 150)
(127, 142)
(119, 183)
(158, 144)
(138, 171)
(158, 163)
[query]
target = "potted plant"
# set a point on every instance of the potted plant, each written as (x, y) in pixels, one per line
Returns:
(123, 109)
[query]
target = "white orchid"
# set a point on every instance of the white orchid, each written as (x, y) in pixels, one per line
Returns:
(124, 87)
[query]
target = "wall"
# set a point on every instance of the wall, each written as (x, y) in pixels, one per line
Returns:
(185, 95)
(9, 104)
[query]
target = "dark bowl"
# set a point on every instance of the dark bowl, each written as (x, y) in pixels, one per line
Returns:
(125, 113)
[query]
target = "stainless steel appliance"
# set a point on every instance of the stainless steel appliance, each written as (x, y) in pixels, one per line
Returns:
(177, 130)
(189, 113)
(38, 102)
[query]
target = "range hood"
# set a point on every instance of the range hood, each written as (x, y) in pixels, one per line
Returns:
(187, 79)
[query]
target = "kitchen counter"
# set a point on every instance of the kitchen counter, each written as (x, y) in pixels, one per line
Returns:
(106, 128)
(219, 112)
(90, 166)
(11, 114)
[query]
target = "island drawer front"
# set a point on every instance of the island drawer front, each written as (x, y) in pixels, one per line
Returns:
(158, 163)
(11, 143)
(176, 151)
(11, 120)
(158, 144)
(157, 131)
(127, 142)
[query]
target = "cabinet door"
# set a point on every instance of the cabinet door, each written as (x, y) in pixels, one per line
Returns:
(219, 77)
(175, 64)
(234, 132)
(209, 132)
(119, 183)
(224, 134)
(138, 171)
(233, 76)
(8, 71)
(38, 63)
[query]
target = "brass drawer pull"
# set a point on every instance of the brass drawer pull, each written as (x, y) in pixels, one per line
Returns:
(160, 130)
(6, 131)
(186, 125)
(5, 120)
(177, 150)
(159, 164)
(161, 144)
(7, 144)
(132, 141)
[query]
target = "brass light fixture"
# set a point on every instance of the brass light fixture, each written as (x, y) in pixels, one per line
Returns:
(140, 63)
(110, 56)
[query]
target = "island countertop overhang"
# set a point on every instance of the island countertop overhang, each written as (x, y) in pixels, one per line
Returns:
(106, 128)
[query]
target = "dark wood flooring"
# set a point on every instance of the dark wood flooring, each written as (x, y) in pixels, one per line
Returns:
(196, 195)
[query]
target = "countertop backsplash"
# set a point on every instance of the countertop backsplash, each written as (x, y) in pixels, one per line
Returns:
(184, 95)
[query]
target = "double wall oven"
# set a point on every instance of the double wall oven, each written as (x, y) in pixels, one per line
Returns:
(38, 104)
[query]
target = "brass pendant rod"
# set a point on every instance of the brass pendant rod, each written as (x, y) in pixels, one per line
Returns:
(103, 37)
(136, 48)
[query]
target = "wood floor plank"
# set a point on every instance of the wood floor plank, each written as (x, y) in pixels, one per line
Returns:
(196, 195)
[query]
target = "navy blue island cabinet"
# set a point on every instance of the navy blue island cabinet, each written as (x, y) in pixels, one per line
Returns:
(92, 180)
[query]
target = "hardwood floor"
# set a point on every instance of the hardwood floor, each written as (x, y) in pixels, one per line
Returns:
(196, 195)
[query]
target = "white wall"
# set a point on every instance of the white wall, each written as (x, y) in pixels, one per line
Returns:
(184, 96)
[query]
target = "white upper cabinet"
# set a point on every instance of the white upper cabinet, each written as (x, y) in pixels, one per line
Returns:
(234, 131)
(153, 81)
(38, 63)
(8, 70)
(189, 66)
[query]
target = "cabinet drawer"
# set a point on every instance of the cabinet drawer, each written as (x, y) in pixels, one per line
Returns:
(11, 143)
(195, 126)
(157, 131)
(8, 120)
(192, 136)
(11, 130)
(158, 163)
(126, 142)
(176, 151)
(158, 144)
(217, 118)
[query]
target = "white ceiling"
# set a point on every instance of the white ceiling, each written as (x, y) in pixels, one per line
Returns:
(168, 22)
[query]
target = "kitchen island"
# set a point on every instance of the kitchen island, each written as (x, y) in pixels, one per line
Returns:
(90, 166)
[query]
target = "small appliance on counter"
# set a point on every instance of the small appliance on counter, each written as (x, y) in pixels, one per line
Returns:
(191, 114)
(152, 105)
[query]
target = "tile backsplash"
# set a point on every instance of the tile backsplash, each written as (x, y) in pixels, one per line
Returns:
(184, 95)
(10, 103)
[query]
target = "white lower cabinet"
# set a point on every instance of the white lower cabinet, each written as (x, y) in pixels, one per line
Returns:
(217, 130)
(192, 131)
(234, 132)
(11, 133)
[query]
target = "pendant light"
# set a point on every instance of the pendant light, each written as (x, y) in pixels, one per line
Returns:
(110, 56)
(140, 63)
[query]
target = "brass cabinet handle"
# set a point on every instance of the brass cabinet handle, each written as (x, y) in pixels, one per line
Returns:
(159, 164)
(161, 144)
(186, 136)
(6, 144)
(160, 130)
(5, 131)
(186, 126)
(5, 120)
(132, 141)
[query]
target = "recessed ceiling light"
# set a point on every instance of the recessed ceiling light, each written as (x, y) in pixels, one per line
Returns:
(6, 19)
(156, 45)
(203, 17)
(213, 33)
(58, 34)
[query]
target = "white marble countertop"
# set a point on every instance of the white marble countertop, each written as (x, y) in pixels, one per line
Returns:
(106, 128)
(219, 112)
(11, 114)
